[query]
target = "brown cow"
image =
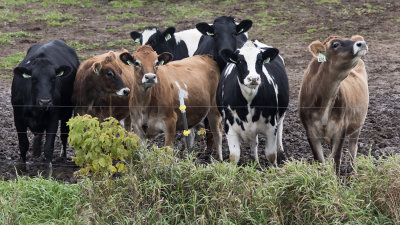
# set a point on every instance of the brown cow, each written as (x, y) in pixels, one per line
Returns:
(101, 87)
(333, 99)
(154, 102)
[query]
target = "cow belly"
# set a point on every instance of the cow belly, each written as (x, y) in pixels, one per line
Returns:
(248, 131)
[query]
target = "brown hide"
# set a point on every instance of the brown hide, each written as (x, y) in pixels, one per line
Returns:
(90, 96)
(155, 109)
(333, 99)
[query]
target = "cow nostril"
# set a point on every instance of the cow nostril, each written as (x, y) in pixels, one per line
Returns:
(359, 44)
(45, 100)
(127, 91)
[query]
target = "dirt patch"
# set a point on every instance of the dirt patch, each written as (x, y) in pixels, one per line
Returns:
(295, 28)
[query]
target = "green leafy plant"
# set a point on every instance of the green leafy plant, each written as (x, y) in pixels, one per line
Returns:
(100, 148)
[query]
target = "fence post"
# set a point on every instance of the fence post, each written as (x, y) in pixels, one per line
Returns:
(182, 107)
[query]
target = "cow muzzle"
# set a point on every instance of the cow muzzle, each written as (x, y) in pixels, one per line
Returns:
(123, 92)
(360, 48)
(149, 80)
(252, 81)
(45, 103)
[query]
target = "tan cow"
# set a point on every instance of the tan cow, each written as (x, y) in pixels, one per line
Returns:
(155, 100)
(333, 99)
(101, 87)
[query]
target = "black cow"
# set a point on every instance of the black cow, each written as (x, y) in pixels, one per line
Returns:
(182, 44)
(41, 95)
(224, 33)
(252, 96)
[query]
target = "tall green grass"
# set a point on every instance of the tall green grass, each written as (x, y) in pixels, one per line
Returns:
(37, 201)
(160, 188)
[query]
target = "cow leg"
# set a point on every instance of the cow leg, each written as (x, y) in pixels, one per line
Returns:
(353, 144)
(37, 144)
(281, 153)
(234, 146)
(271, 146)
(192, 135)
(254, 149)
(214, 119)
(336, 151)
(170, 129)
(22, 139)
(51, 132)
(316, 145)
(64, 138)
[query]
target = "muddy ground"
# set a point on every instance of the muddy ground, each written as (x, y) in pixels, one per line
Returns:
(292, 26)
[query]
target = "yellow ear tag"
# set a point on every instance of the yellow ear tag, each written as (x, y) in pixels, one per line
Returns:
(267, 60)
(182, 108)
(321, 57)
(186, 132)
(209, 33)
(130, 63)
(60, 74)
(137, 40)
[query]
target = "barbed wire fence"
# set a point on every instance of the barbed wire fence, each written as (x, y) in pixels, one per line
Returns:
(295, 108)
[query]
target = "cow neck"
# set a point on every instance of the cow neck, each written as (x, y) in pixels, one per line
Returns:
(328, 80)
(142, 95)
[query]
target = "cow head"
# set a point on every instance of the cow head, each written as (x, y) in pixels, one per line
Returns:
(224, 31)
(109, 73)
(341, 53)
(154, 37)
(145, 62)
(45, 79)
(249, 61)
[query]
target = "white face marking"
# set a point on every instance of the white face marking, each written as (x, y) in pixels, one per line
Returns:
(250, 52)
(139, 62)
(147, 34)
(123, 91)
(191, 38)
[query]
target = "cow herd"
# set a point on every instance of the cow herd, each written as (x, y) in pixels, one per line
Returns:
(229, 82)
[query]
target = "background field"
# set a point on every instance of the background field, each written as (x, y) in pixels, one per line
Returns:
(95, 27)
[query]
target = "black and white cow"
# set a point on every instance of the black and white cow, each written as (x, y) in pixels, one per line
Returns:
(182, 44)
(224, 33)
(41, 95)
(252, 96)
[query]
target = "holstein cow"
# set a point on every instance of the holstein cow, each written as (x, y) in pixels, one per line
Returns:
(155, 97)
(224, 33)
(181, 45)
(41, 96)
(333, 98)
(102, 87)
(252, 96)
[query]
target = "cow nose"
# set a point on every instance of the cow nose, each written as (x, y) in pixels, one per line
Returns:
(44, 101)
(126, 92)
(150, 76)
(360, 44)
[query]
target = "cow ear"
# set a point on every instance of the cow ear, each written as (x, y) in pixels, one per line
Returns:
(136, 36)
(317, 49)
(164, 58)
(96, 67)
(357, 38)
(63, 71)
(126, 58)
(229, 56)
(168, 33)
(243, 26)
(22, 72)
(205, 29)
(269, 54)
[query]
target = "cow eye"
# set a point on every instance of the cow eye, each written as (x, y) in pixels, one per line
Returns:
(137, 63)
(110, 74)
(335, 44)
